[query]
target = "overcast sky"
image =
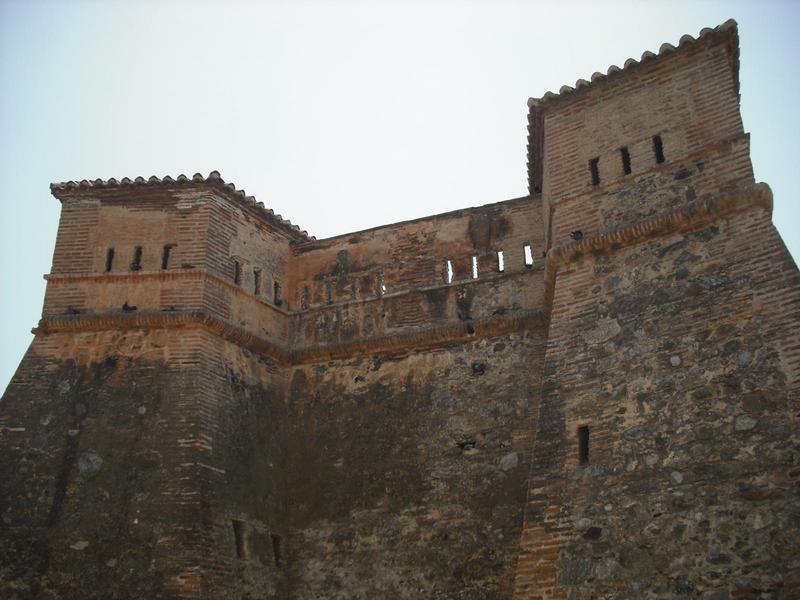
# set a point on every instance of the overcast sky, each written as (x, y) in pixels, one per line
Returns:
(338, 115)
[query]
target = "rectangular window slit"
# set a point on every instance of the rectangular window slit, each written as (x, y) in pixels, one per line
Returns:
(501, 262)
(276, 293)
(474, 267)
(136, 265)
(165, 257)
(109, 259)
(626, 160)
(238, 538)
(237, 272)
(658, 148)
(528, 251)
(328, 292)
(583, 444)
(595, 171)
(276, 549)
(257, 282)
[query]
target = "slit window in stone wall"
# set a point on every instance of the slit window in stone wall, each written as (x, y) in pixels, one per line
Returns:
(276, 293)
(136, 265)
(165, 257)
(328, 292)
(448, 271)
(277, 551)
(237, 272)
(257, 281)
(528, 254)
(626, 160)
(583, 444)
(380, 286)
(238, 538)
(109, 259)
(474, 267)
(658, 149)
(501, 262)
(594, 169)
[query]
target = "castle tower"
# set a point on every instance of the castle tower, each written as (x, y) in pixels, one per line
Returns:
(667, 440)
(130, 421)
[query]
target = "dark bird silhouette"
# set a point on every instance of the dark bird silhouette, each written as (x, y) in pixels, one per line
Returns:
(576, 235)
(128, 308)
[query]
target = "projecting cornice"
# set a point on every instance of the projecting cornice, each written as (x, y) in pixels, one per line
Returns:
(686, 218)
(397, 343)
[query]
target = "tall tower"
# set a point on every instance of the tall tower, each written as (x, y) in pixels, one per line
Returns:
(667, 420)
(130, 422)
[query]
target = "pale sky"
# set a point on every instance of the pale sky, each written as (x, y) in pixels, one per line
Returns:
(338, 115)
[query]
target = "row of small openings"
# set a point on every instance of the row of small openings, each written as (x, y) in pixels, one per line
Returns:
(625, 156)
(239, 540)
(136, 263)
(527, 254)
(277, 299)
(305, 296)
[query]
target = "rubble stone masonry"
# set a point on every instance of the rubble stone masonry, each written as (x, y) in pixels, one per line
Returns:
(587, 392)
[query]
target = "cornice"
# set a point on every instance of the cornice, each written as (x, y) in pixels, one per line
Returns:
(399, 343)
(194, 274)
(688, 217)
(426, 339)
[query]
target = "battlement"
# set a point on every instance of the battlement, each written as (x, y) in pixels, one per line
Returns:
(587, 391)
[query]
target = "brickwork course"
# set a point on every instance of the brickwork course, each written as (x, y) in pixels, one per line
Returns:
(587, 392)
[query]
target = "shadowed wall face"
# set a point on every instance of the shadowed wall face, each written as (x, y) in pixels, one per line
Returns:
(407, 475)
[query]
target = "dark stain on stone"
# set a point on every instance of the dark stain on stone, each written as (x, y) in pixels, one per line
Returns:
(593, 533)
(485, 229)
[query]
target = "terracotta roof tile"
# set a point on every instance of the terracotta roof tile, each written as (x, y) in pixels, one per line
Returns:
(666, 48)
(214, 179)
(538, 106)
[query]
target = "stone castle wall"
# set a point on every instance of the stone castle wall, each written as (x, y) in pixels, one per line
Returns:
(224, 407)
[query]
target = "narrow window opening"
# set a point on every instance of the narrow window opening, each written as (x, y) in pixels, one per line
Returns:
(474, 267)
(658, 148)
(136, 265)
(165, 257)
(595, 171)
(583, 444)
(238, 538)
(448, 271)
(304, 302)
(528, 251)
(380, 285)
(257, 282)
(328, 292)
(109, 259)
(501, 262)
(626, 160)
(237, 272)
(276, 293)
(277, 551)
